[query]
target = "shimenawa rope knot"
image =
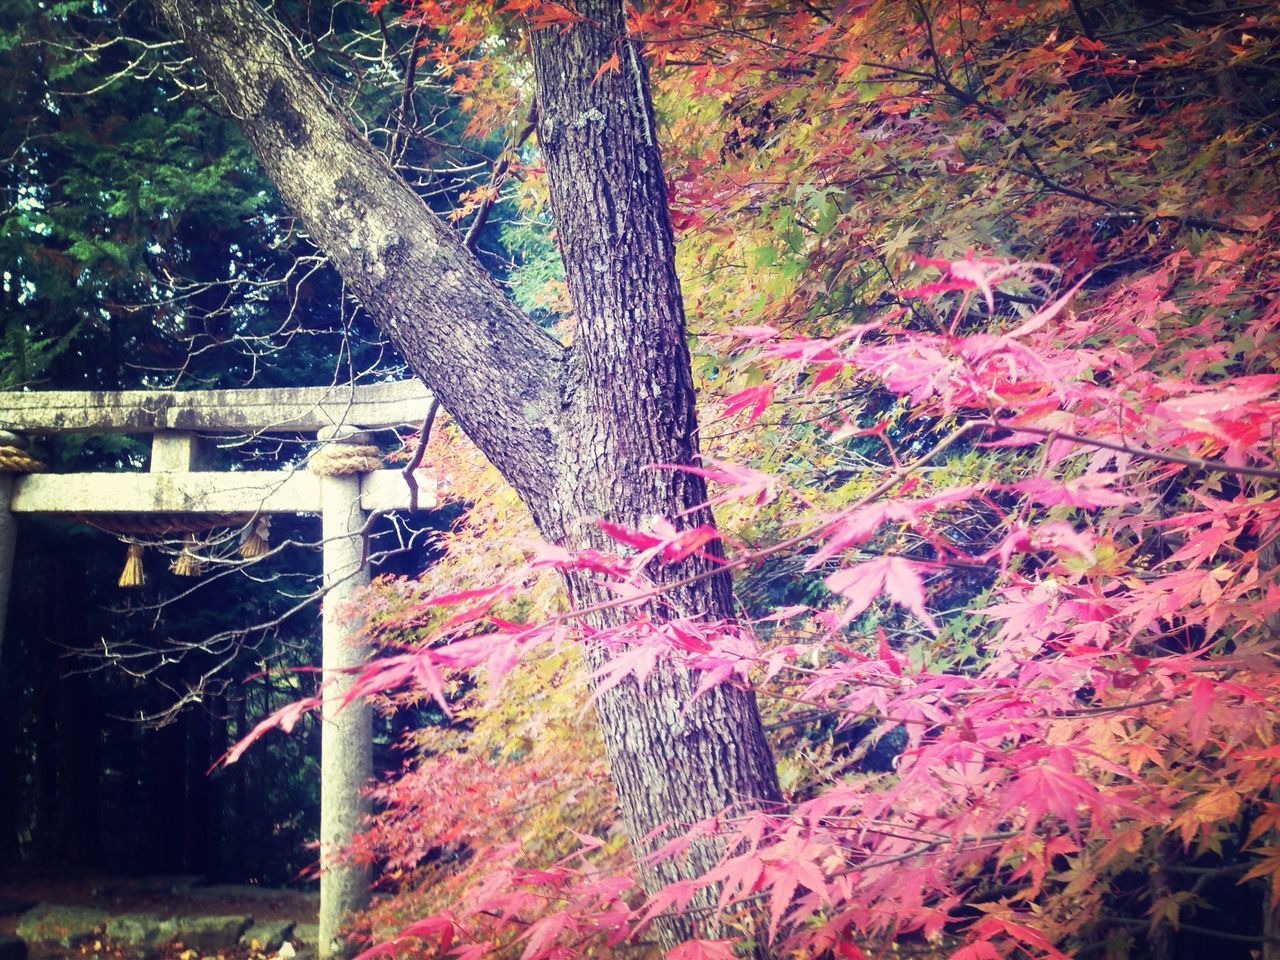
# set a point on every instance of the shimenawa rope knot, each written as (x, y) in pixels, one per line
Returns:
(340, 459)
(16, 460)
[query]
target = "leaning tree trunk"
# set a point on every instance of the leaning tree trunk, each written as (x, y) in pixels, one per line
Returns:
(574, 430)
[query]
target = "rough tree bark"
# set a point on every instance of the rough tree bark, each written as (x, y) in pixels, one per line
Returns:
(572, 429)
(630, 402)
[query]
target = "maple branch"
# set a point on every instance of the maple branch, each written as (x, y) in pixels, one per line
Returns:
(748, 558)
(1183, 459)
(500, 174)
(1210, 871)
(1192, 928)
(968, 844)
(415, 461)
(871, 714)
(800, 719)
(1036, 172)
(395, 50)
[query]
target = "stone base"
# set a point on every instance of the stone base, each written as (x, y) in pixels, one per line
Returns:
(267, 935)
(50, 929)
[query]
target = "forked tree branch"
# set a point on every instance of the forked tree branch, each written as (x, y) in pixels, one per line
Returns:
(495, 370)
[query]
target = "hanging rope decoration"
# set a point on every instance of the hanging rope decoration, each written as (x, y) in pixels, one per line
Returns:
(254, 537)
(329, 460)
(340, 459)
(188, 562)
(160, 526)
(130, 529)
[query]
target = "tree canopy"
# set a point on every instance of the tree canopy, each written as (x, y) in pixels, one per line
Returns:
(961, 316)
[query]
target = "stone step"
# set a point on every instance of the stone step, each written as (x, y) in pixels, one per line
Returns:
(49, 927)
(50, 930)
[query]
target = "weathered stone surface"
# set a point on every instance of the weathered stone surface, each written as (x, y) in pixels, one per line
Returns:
(227, 492)
(287, 410)
(267, 935)
(346, 731)
(240, 491)
(52, 927)
(51, 930)
(11, 948)
(210, 934)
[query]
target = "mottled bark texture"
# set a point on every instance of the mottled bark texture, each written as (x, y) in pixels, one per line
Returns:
(575, 430)
(631, 404)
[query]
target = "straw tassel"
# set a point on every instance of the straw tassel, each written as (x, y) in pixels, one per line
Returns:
(132, 575)
(187, 563)
(255, 539)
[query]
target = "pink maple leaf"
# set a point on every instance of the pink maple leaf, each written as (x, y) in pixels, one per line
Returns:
(702, 950)
(895, 576)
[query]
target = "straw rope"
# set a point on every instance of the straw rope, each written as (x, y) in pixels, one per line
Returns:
(160, 526)
(340, 459)
(16, 460)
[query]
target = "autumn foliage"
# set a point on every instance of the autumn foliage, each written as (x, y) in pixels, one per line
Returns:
(985, 304)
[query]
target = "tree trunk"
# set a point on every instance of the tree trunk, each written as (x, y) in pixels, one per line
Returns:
(237, 793)
(631, 405)
(1267, 558)
(164, 788)
(574, 430)
(216, 787)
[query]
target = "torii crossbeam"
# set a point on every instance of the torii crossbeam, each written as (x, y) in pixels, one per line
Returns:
(175, 484)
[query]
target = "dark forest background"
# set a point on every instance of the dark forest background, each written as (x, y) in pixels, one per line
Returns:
(143, 249)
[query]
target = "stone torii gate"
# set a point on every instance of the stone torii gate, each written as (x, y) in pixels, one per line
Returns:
(176, 485)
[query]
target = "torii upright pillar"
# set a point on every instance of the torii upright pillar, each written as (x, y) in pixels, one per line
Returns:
(9, 442)
(346, 764)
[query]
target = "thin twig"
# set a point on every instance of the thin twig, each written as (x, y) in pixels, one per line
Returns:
(398, 138)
